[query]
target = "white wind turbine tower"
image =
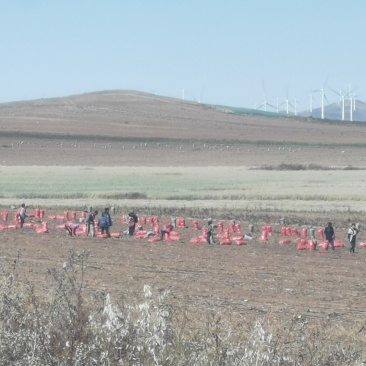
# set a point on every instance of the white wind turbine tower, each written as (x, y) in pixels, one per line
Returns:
(350, 108)
(323, 97)
(287, 103)
(355, 96)
(342, 100)
(352, 102)
(295, 106)
(311, 103)
(265, 103)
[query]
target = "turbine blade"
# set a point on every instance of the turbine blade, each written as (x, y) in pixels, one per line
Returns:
(334, 91)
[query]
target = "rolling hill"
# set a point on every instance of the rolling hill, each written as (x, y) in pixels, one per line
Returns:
(122, 127)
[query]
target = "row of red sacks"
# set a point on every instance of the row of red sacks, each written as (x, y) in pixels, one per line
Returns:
(173, 236)
(40, 213)
(180, 223)
(152, 220)
(310, 244)
(288, 231)
(225, 238)
(39, 228)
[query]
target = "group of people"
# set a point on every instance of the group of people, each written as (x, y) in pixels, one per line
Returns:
(105, 222)
(329, 235)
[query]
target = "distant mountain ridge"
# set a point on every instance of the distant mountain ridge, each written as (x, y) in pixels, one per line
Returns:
(333, 111)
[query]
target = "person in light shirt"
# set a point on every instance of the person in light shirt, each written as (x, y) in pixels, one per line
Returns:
(352, 233)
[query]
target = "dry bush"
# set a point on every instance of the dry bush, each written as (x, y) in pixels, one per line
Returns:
(67, 326)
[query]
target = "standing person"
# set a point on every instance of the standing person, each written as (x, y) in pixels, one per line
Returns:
(210, 229)
(90, 223)
(352, 233)
(329, 234)
(132, 221)
(105, 222)
(22, 214)
(131, 226)
(71, 228)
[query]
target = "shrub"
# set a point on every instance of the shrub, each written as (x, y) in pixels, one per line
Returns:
(68, 326)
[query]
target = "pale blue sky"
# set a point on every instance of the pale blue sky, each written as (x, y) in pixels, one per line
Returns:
(228, 52)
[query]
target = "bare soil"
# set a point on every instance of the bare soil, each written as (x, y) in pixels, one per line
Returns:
(257, 279)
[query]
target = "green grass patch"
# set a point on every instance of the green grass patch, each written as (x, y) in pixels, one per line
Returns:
(215, 185)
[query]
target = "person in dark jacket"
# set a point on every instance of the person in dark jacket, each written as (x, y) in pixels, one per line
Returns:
(90, 224)
(352, 233)
(132, 221)
(105, 222)
(329, 234)
(131, 226)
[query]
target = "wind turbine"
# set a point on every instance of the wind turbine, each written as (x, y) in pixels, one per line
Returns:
(295, 106)
(352, 102)
(323, 97)
(342, 102)
(311, 103)
(350, 108)
(342, 96)
(287, 103)
(265, 104)
(355, 96)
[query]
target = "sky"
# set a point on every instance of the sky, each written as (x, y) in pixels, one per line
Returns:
(230, 52)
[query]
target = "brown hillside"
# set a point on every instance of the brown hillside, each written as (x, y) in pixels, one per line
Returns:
(132, 114)
(152, 125)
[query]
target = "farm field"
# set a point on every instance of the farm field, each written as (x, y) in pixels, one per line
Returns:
(236, 188)
(259, 279)
(170, 158)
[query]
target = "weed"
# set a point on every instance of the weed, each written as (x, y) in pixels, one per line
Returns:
(67, 326)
